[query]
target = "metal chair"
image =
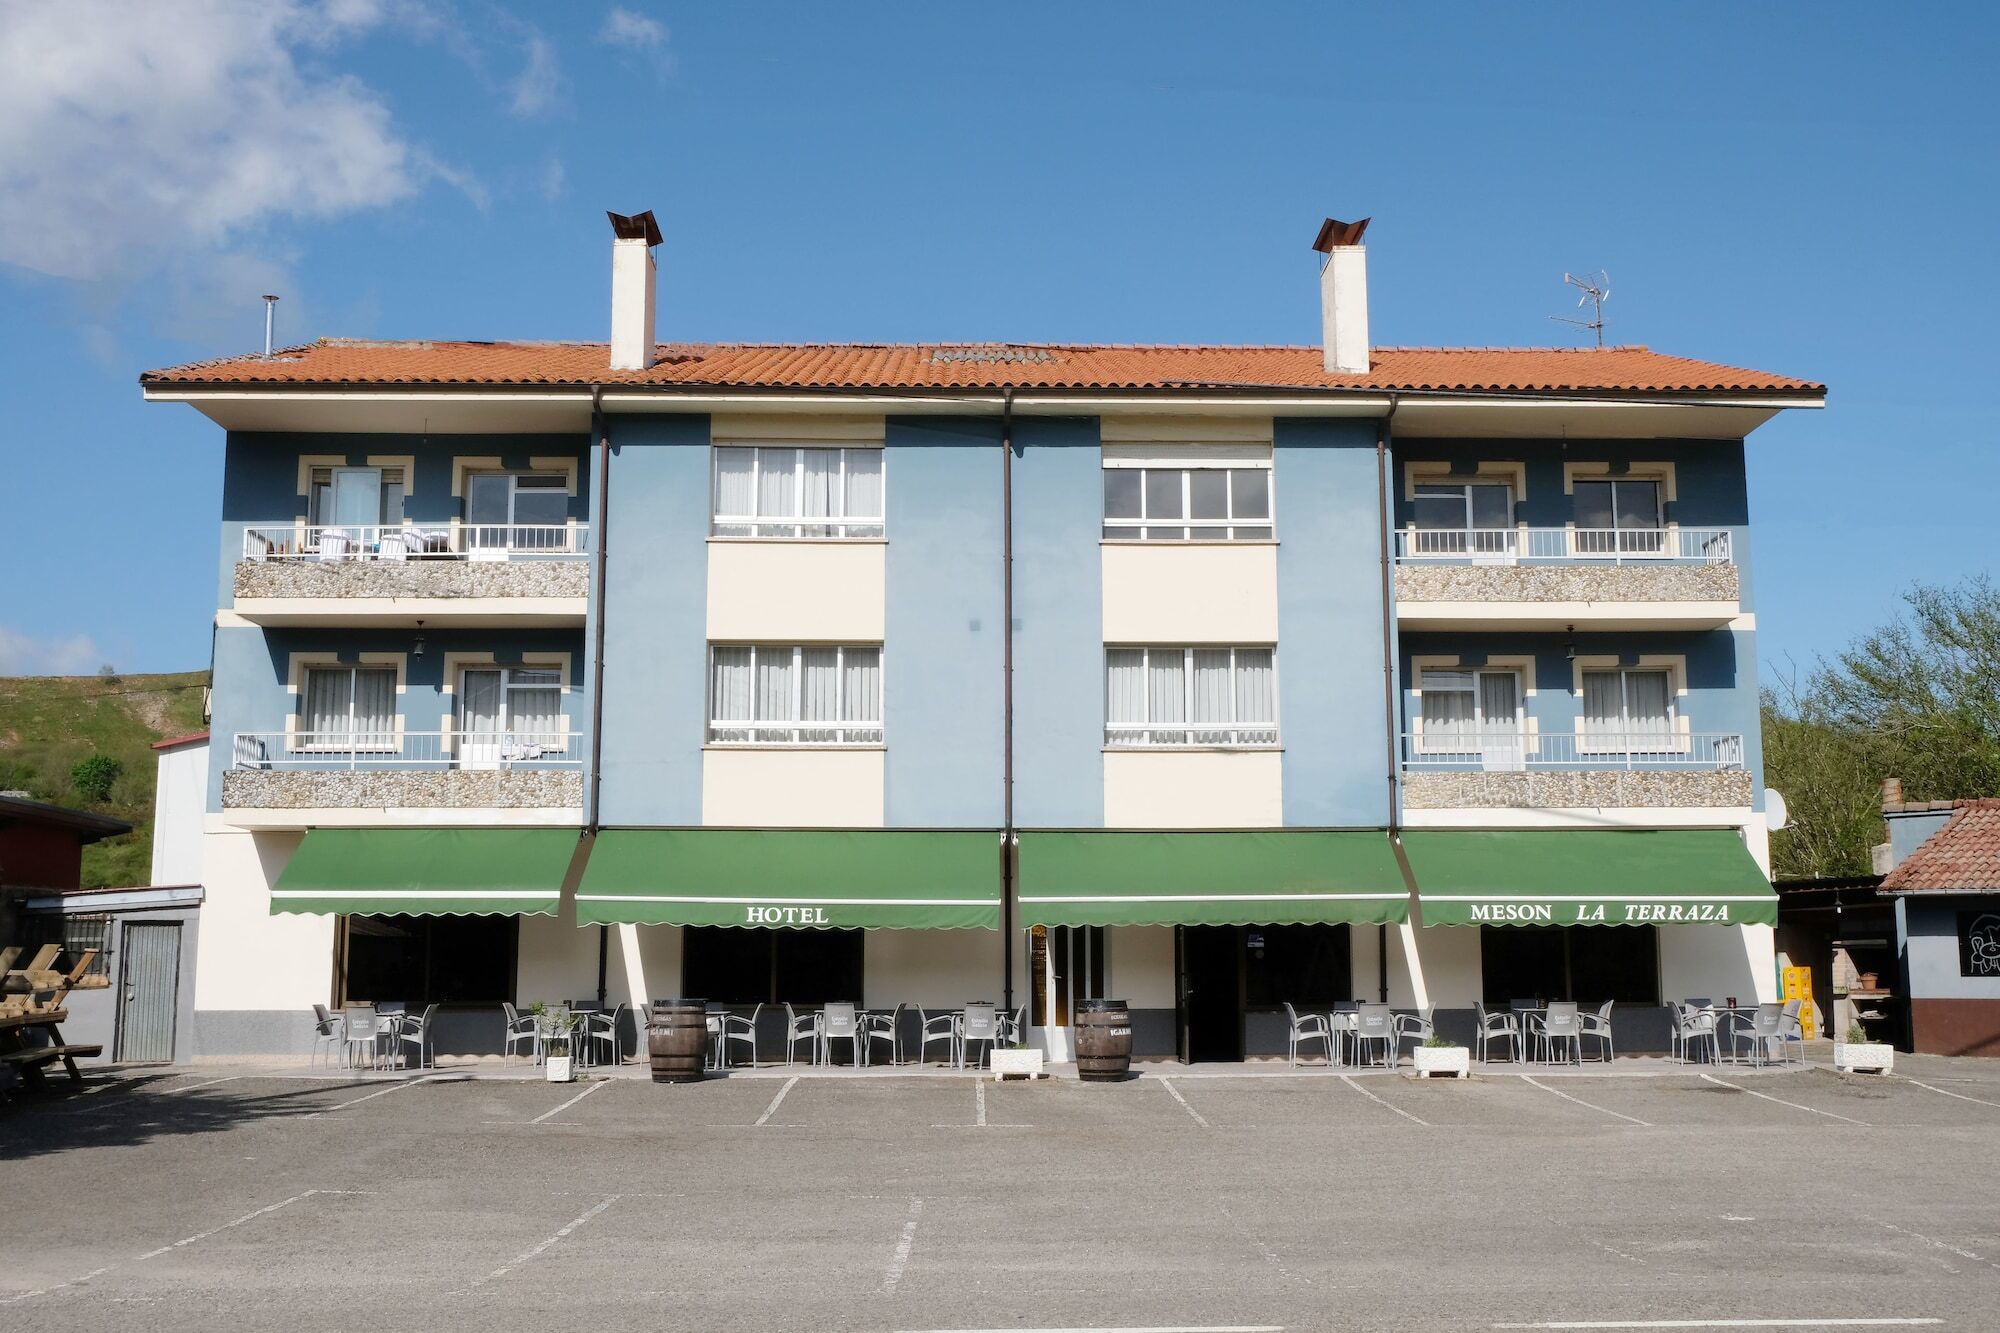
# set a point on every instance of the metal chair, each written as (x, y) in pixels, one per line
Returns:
(934, 1028)
(1014, 1025)
(1597, 1028)
(1506, 1026)
(885, 1027)
(1692, 1026)
(1560, 1022)
(1313, 1027)
(798, 1030)
(1374, 1023)
(520, 1028)
(328, 1034)
(1793, 1029)
(1762, 1028)
(417, 1032)
(1415, 1027)
(360, 1026)
(980, 1022)
(1341, 1023)
(602, 1029)
(742, 1031)
(840, 1021)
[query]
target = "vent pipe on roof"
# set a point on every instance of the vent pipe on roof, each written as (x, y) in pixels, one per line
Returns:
(1343, 297)
(632, 286)
(270, 317)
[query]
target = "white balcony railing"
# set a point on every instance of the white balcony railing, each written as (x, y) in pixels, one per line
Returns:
(1153, 736)
(322, 750)
(1491, 751)
(794, 733)
(1616, 546)
(401, 542)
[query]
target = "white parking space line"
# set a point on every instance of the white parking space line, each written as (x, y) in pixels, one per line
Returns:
(1175, 1093)
(571, 1102)
(1946, 1092)
(979, 1103)
(765, 1118)
(190, 1087)
(560, 1232)
(1527, 1079)
(1379, 1102)
(182, 1243)
(1935, 1243)
(371, 1096)
(1782, 1102)
(1150, 1328)
(1727, 1323)
(901, 1258)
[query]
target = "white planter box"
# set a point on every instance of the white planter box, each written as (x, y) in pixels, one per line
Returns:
(1027, 1063)
(559, 1069)
(1443, 1062)
(1853, 1057)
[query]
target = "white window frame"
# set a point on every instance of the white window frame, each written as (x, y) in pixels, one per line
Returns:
(516, 536)
(1136, 736)
(770, 527)
(1501, 542)
(393, 742)
(1676, 735)
(1589, 543)
(383, 479)
(788, 732)
(1134, 529)
(1430, 742)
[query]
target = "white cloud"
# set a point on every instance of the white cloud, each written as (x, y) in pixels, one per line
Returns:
(622, 27)
(534, 89)
(25, 655)
(130, 134)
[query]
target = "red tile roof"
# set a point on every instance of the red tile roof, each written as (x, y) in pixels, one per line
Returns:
(1963, 856)
(342, 362)
(172, 742)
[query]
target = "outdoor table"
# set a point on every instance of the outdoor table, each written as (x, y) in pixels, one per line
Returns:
(14, 1030)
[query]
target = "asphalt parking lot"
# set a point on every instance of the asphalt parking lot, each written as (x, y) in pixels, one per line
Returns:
(204, 1199)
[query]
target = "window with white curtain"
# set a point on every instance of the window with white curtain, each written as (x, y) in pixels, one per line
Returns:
(1190, 696)
(510, 713)
(1628, 710)
(797, 491)
(1471, 709)
(801, 694)
(347, 708)
(1178, 504)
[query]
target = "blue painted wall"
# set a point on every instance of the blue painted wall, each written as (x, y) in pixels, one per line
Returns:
(656, 620)
(942, 699)
(1330, 715)
(1059, 624)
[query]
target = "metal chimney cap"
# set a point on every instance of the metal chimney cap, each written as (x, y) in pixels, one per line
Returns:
(636, 227)
(1332, 234)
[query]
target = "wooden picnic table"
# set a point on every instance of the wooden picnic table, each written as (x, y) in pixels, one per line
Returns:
(17, 1052)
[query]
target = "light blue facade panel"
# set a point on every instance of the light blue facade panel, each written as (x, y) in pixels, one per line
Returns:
(1327, 506)
(1059, 623)
(943, 653)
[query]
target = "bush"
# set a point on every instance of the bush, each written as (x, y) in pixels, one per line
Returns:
(92, 776)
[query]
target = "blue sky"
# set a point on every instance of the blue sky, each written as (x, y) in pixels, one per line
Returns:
(1804, 189)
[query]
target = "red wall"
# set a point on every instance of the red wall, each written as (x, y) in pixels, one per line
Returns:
(40, 858)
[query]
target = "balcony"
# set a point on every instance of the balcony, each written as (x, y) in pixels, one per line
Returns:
(277, 778)
(1551, 578)
(450, 574)
(1504, 770)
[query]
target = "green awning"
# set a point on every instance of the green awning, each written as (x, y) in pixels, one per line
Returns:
(1262, 877)
(916, 879)
(1566, 877)
(427, 871)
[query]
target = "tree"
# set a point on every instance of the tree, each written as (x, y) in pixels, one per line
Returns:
(1829, 785)
(92, 776)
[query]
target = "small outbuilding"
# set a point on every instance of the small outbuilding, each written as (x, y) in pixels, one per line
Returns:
(1945, 883)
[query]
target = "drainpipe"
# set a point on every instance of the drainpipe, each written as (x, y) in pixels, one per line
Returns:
(1009, 863)
(590, 826)
(1384, 432)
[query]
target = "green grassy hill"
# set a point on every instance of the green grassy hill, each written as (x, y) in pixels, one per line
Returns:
(49, 723)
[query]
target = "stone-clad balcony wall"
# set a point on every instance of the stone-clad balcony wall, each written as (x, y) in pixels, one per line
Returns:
(385, 788)
(1440, 582)
(1573, 789)
(426, 579)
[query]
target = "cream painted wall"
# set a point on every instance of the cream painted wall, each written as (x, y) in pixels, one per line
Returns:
(802, 788)
(645, 964)
(1141, 962)
(557, 961)
(1449, 957)
(248, 958)
(938, 969)
(180, 798)
(1193, 789)
(793, 592)
(1718, 962)
(1165, 593)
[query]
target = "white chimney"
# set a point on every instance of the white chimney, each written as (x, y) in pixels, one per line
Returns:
(632, 284)
(1343, 297)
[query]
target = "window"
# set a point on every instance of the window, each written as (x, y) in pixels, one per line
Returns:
(1202, 504)
(420, 960)
(517, 511)
(815, 694)
(1628, 710)
(509, 713)
(359, 496)
(759, 965)
(1190, 696)
(1465, 518)
(1619, 517)
(1306, 965)
(1474, 710)
(348, 708)
(75, 932)
(1065, 965)
(797, 492)
(1588, 964)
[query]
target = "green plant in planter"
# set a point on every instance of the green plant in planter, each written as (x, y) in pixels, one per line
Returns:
(1856, 1036)
(1434, 1041)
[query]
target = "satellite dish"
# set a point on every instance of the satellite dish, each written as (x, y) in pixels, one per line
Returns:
(1776, 816)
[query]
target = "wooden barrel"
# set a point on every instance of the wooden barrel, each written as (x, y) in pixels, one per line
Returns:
(1103, 1041)
(677, 1040)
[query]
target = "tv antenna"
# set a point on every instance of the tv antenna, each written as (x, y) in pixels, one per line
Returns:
(1596, 290)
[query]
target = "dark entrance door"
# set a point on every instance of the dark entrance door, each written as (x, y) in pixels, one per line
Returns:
(1211, 993)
